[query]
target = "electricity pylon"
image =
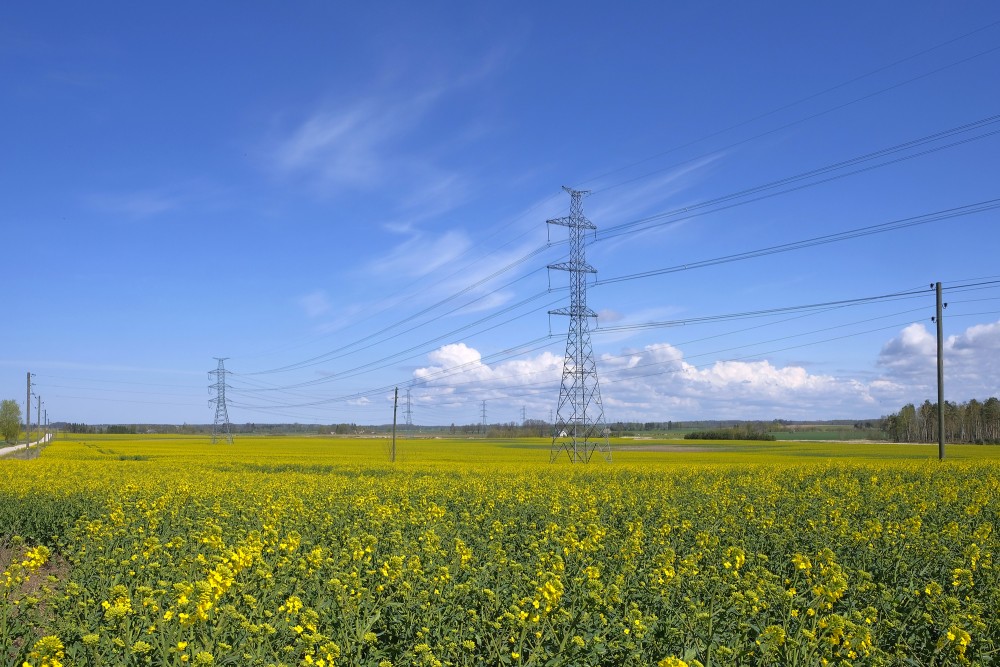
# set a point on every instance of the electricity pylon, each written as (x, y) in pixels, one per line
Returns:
(408, 413)
(221, 427)
(579, 427)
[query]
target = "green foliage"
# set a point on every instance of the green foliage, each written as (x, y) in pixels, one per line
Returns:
(171, 551)
(742, 432)
(971, 422)
(10, 420)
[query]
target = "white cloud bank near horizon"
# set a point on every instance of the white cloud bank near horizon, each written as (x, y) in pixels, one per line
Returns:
(656, 383)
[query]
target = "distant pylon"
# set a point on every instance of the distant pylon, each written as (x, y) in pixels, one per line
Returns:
(579, 427)
(408, 414)
(221, 427)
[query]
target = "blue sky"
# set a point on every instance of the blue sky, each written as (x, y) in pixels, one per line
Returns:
(343, 199)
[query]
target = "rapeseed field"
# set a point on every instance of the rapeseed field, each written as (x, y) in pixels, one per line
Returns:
(312, 551)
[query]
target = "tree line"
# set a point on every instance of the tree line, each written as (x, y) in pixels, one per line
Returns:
(972, 422)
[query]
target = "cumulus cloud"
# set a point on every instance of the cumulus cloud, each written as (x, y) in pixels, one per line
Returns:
(971, 361)
(656, 382)
(457, 363)
(457, 368)
(658, 375)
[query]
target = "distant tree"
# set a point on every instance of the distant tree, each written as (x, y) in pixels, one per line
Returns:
(971, 422)
(10, 420)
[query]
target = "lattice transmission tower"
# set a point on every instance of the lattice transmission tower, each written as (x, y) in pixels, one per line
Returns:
(221, 427)
(579, 428)
(408, 413)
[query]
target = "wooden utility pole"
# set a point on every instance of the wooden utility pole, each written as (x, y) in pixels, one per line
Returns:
(392, 449)
(940, 370)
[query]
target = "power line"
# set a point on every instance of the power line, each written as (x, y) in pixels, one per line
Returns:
(890, 226)
(628, 227)
(828, 305)
(895, 225)
(691, 211)
(792, 123)
(810, 308)
(344, 348)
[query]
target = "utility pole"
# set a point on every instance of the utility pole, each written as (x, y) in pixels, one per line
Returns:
(27, 415)
(940, 368)
(484, 418)
(524, 415)
(221, 427)
(392, 448)
(579, 428)
(38, 415)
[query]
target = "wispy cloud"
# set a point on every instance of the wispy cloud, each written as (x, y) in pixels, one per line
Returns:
(632, 199)
(421, 254)
(371, 143)
(136, 205)
(343, 146)
(315, 303)
(151, 202)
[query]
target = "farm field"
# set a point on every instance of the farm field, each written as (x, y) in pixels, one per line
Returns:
(136, 550)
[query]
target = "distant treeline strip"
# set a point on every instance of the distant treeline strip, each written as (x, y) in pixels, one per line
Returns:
(973, 422)
(753, 431)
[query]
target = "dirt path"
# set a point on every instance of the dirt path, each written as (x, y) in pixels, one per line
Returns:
(4, 451)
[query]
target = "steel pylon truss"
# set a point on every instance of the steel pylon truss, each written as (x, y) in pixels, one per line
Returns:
(579, 428)
(221, 427)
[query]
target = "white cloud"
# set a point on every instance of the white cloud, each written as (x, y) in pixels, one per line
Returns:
(373, 144)
(608, 316)
(343, 146)
(315, 303)
(421, 254)
(656, 382)
(971, 362)
(653, 383)
(136, 205)
(637, 198)
(458, 367)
